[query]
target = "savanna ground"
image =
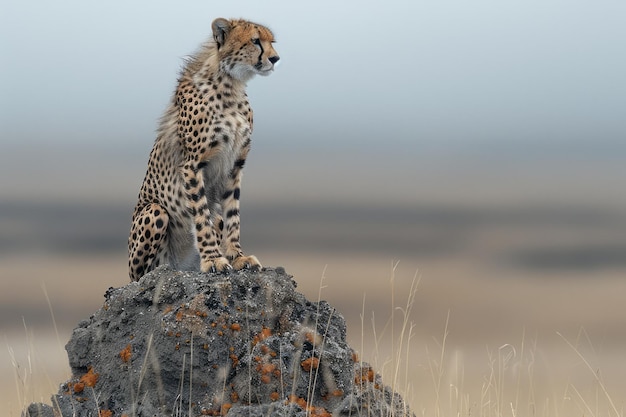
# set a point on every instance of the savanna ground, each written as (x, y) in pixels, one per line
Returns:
(518, 309)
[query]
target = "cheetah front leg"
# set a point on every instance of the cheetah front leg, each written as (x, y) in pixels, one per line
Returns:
(207, 239)
(230, 204)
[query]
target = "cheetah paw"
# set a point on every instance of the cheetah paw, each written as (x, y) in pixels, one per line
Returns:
(247, 262)
(213, 265)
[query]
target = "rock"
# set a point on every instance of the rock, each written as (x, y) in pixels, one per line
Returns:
(186, 343)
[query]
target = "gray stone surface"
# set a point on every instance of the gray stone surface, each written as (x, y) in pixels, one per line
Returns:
(247, 343)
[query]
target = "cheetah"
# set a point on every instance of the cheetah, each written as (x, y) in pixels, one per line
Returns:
(187, 214)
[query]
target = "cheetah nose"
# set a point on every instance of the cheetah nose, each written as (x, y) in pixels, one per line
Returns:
(274, 59)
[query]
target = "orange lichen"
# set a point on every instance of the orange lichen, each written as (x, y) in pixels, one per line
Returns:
(268, 368)
(262, 335)
(220, 333)
(337, 393)
(311, 410)
(105, 413)
(90, 379)
(235, 327)
(274, 396)
(301, 402)
(167, 309)
(319, 411)
(126, 353)
(310, 363)
(266, 379)
(365, 375)
(234, 396)
(225, 408)
(234, 358)
(297, 400)
(190, 311)
(308, 336)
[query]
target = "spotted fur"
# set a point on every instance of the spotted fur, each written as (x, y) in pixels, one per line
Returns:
(187, 213)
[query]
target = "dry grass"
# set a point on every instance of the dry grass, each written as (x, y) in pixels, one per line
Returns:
(521, 378)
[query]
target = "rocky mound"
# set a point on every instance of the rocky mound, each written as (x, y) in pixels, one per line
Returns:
(184, 343)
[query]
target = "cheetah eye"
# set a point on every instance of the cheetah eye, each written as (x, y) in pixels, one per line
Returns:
(256, 41)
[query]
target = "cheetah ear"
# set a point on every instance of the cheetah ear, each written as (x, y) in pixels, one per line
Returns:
(220, 27)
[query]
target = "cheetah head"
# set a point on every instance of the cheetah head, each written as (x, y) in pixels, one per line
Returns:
(245, 49)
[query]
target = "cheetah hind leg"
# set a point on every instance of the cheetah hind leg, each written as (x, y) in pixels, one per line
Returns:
(147, 248)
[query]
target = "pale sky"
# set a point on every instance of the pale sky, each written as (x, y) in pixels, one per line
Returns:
(424, 72)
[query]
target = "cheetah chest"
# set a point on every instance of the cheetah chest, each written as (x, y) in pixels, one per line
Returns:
(233, 135)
